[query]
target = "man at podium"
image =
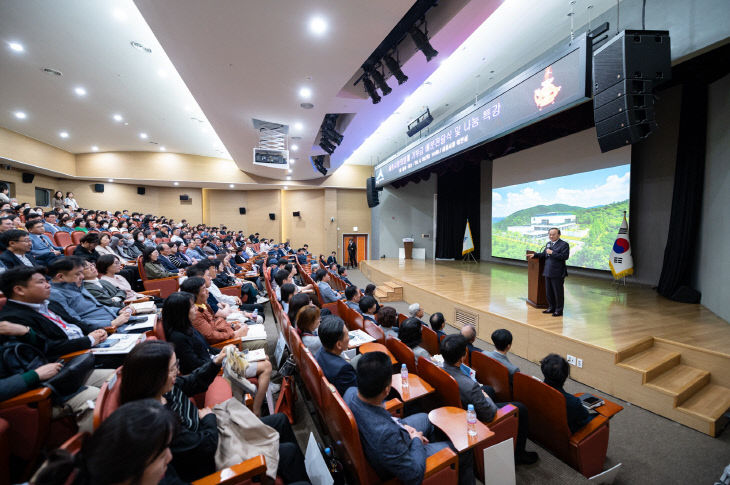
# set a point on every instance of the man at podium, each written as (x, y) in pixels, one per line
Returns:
(556, 253)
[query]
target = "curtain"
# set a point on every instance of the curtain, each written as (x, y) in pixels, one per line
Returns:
(680, 253)
(458, 190)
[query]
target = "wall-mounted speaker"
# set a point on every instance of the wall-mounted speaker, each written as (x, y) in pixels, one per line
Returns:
(242, 210)
(272, 216)
(98, 187)
(28, 178)
(184, 197)
(372, 193)
(140, 190)
(296, 214)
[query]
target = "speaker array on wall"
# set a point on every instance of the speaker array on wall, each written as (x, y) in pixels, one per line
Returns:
(372, 193)
(296, 214)
(272, 216)
(242, 210)
(184, 197)
(28, 178)
(140, 190)
(98, 187)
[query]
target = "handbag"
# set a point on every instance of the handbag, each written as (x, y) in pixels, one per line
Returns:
(234, 370)
(20, 357)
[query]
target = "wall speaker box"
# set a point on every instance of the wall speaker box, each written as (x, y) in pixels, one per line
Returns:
(372, 193)
(242, 210)
(272, 216)
(626, 136)
(28, 178)
(184, 197)
(140, 190)
(296, 214)
(98, 187)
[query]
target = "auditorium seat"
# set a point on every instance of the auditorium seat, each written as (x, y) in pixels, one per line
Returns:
(430, 340)
(69, 250)
(374, 331)
(584, 450)
(402, 353)
(504, 424)
(167, 286)
(4, 452)
(441, 467)
(492, 373)
(62, 239)
(76, 236)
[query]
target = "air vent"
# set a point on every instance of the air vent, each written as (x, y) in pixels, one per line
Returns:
(140, 47)
(463, 317)
(48, 70)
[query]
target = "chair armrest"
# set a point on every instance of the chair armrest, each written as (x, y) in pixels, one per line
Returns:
(503, 413)
(151, 292)
(29, 397)
(394, 407)
(233, 341)
(438, 461)
(231, 291)
(237, 473)
(110, 330)
(588, 429)
(73, 355)
(137, 300)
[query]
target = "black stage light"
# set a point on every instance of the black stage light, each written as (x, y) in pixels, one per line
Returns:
(394, 69)
(327, 146)
(370, 88)
(380, 81)
(421, 41)
(318, 163)
(332, 135)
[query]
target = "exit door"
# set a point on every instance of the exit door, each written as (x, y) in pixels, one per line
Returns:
(361, 240)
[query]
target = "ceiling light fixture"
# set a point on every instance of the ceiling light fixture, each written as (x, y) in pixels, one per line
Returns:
(294, 148)
(94, 148)
(20, 115)
(298, 126)
(162, 73)
(162, 149)
(286, 187)
(231, 185)
(117, 117)
(143, 136)
(16, 46)
(110, 180)
(380, 81)
(305, 93)
(54, 72)
(176, 183)
(291, 161)
(80, 91)
(317, 25)
(421, 40)
(395, 69)
(289, 171)
(63, 134)
(119, 14)
(288, 177)
(306, 105)
(370, 88)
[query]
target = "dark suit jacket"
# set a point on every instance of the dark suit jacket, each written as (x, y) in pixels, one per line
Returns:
(555, 263)
(105, 294)
(167, 264)
(57, 341)
(192, 350)
(10, 260)
(85, 254)
(331, 259)
(578, 415)
(337, 370)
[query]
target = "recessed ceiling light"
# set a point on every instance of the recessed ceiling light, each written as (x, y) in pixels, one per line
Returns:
(117, 117)
(162, 149)
(143, 136)
(20, 115)
(80, 91)
(176, 183)
(119, 14)
(94, 148)
(188, 108)
(204, 130)
(231, 185)
(140, 47)
(317, 25)
(288, 177)
(63, 134)
(16, 46)
(291, 161)
(298, 126)
(110, 180)
(126, 124)
(294, 148)
(162, 73)
(286, 187)
(289, 170)
(305, 93)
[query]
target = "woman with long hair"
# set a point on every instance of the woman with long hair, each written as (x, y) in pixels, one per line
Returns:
(70, 201)
(57, 202)
(296, 302)
(410, 334)
(104, 247)
(308, 318)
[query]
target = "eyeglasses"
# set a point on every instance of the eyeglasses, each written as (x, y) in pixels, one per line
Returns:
(175, 370)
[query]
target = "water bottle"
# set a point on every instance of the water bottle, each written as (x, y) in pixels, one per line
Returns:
(471, 420)
(256, 312)
(335, 467)
(404, 376)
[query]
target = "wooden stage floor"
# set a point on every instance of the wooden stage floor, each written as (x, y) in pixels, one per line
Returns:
(597, 312)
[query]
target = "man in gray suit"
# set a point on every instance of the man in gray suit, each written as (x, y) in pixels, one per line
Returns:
(502, 339)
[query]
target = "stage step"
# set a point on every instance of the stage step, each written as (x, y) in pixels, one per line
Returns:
(680, 382)
(652, 362)
(397, 290)
(389, 291)
(709, 404)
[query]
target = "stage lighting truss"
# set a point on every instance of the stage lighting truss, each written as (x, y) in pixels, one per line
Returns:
(394, 68)
(421, 41)
(380, 81)
(370, 88)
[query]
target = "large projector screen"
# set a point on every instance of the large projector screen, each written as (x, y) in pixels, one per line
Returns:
(587, 206)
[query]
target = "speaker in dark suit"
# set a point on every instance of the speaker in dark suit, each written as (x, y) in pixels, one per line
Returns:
(556, 253)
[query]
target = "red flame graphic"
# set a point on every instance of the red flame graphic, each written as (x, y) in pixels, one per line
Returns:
(547, 92)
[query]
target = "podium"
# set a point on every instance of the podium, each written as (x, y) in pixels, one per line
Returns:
(408, 247)
(536, 295)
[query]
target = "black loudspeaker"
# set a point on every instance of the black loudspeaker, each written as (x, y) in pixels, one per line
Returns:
(296, 214)
(184, 197)
(140, 190)
(372, 193)
(98, 187)
(625, 71)
(272, 216)
(242, 210)
(28, 178)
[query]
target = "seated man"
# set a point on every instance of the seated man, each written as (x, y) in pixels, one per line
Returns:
(17, 252)
(164, 258)
(470, 334)
(342, 273)
(415, 311)
(352, 295)
(332, 258)
(437, 322)
(555, 369)
(394, 448)
(335, 340)
(322, 278)
(103, 291)
(87, 247)
(217, 300)
(502, 340)
(453, 350)
(69, 298)
(51, 222)
(42, 248)
(367, 308)
(301, 257)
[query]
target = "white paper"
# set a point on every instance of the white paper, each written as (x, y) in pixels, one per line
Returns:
(279, 352)
(316, 467)
(358, 337)
(607, 477)
(144, 307)
(255, 355)
(499, 464)
(118, 343)
(255, 332)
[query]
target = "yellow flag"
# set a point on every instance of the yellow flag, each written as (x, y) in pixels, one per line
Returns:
(468, 245)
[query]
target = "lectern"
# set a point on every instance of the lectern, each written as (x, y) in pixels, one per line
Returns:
(536, 295)
(408, 247)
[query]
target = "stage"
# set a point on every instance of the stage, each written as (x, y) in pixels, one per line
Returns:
(668, 357)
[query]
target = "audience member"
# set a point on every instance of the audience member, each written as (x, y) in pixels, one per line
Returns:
(342, 273)
(87, 247)
(556, 370)
(70, 201)
(438, 322)
(367, 308)
(108, 268)
(287, 291)
(153, 268)
(370, 291)
(332, 258)
(104, 246)
(103, 291)
(470, 334)
(387, 318)
(409, 333)
(415, 311)
(322, 277)
(42, 248)
(502, 340)
(17, 252)
(308, 319)
(51, 222)
(335, 340)
(296, 302)
(352, 297)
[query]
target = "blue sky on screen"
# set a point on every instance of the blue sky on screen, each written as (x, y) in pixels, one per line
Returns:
(587, 189)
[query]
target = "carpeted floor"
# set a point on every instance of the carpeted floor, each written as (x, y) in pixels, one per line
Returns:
(651, 448)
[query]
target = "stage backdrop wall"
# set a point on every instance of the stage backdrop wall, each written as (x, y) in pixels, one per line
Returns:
(713, 264)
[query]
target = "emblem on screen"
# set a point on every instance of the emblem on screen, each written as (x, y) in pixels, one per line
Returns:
(547, 92)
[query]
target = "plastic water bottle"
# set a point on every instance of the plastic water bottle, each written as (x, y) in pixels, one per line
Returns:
(471, 420)
(256, 312)
(404, 376)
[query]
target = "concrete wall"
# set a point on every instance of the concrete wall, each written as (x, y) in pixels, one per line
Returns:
(713, 265)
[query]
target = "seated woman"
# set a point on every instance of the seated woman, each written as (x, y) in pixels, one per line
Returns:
(223, 279)
(178, 257)
(208, 440)
(387, 318)
(410, 334)
(215, 329)
(153, 268)
(307, 324)
(370, 291)
(556, 370)
(367, 306)
(80, 225)
(296, 302)
(193, 350)
(131, 446)
(104, 245)
(287, 291)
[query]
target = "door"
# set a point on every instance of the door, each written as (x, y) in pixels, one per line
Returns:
(362, 246)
